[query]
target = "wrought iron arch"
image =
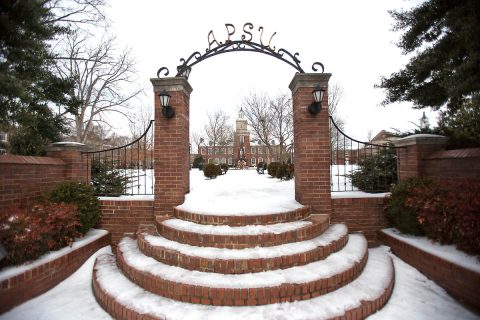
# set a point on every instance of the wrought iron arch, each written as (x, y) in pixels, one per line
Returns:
(183, 70)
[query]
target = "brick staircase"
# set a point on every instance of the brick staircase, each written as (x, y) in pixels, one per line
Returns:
(199, 266)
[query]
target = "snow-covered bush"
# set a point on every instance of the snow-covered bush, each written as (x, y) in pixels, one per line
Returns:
(29, 233)
(83, 197)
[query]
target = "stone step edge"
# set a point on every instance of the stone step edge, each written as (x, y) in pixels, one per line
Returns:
(243, 220)
(239, 297)
(320, 223)
(122, 308)
(232, 266)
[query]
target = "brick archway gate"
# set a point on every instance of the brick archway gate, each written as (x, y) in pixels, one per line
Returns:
(311, 131)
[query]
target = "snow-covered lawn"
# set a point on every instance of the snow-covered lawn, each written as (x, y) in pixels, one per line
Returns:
(414, 297)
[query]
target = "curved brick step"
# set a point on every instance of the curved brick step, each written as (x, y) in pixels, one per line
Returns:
(241, 237)
(357, 300)
(292, 284)
(243, 219)
(237, 261)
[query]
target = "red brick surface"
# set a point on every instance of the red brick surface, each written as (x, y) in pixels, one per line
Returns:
(459, 281)
(450, 165)
(120, 217)
(24, 179)
(361, 215)
(38, 280)
(312, 144)
(320, 223)
(175, 258)
(272, 218)
(239, 297)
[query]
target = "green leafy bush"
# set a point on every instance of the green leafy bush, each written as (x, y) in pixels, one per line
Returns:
(272, 168)
(80, 195)
(29, 233)
(108, 181)
(281, 171)
(400, 214)
(377, 172)
(212, 170)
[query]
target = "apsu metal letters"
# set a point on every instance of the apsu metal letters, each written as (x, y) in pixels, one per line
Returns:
(245, 43)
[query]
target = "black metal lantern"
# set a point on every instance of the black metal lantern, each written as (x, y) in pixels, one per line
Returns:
(167, 111)
(316, 106)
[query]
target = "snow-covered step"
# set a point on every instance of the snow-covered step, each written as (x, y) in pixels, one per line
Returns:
(222, 236)
(292, 284)
(242, 219)
(236, 261)
(357, 300)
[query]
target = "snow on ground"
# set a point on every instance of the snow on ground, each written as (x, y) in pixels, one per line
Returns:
(72, 299)
(90, 236)
(239, 192)
(414, 297)
(449, 253)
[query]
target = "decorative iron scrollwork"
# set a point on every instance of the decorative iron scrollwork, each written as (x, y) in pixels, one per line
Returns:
(245, 44)
(163, 69)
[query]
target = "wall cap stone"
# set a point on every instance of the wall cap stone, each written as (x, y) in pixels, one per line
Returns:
(172, 84)
(66, 146)
(421, 139)
(309, 80)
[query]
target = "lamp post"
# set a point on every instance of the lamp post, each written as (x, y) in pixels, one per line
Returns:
(316, 106)
(167, 111)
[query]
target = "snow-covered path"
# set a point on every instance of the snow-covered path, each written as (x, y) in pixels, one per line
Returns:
(414, 297)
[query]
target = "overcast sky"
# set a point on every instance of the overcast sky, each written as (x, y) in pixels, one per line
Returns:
(353, 39)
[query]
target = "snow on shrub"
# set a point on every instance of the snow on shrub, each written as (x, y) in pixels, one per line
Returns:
(29, 233)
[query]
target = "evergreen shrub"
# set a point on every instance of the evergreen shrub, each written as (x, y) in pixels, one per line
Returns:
(107, 180)
(224, 168)
(272, 169)
(83, 197)
(377, 172)
(212, 170)
(29, 233)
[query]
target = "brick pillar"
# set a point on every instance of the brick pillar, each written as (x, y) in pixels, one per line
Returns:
(311, 143)
(77, 167)
(171, 149)
(413, 150)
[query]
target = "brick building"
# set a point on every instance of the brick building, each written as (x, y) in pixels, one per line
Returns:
(241, 148)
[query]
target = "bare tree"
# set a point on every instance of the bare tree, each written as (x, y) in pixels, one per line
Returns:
(76, 12)
(270, 119)
(141, 119)
(335, 95)
(101, 78)
(256, 107)
(217, 129)
(282, 118)
(196, 140)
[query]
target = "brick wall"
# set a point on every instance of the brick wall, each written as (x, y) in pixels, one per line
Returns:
(24, 179)
(33, 282)
(312, 143)
(459, 281)
(361, 214)
(121, 217)
(453, 164)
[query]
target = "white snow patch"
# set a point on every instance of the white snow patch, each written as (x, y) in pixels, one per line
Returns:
(447, 252)
(135, 197)
(335, 232)
(90, 236)
(333, 264)
(239, 192)
(72, 299)
(277, 228)
(358, 194)
(415, 297)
